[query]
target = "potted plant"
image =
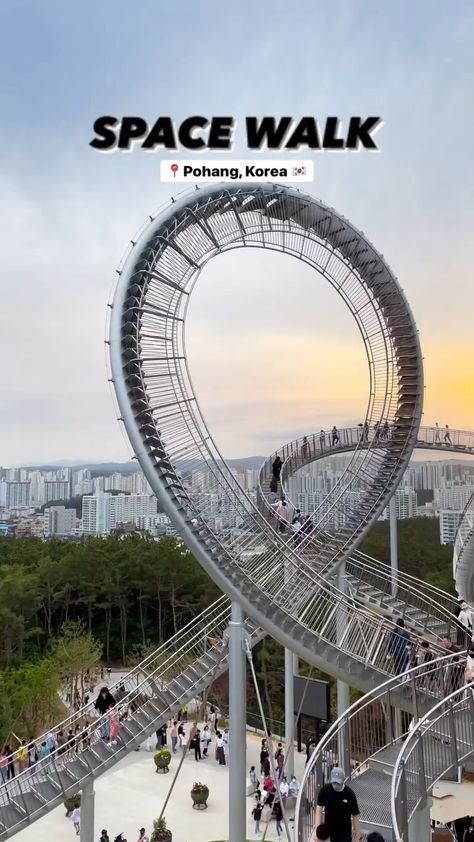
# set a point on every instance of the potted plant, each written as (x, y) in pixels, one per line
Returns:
(162, 760)
(200, 794)
(160, 831)
(72, 802)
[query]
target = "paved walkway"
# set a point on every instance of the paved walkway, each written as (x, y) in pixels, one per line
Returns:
(131, 794)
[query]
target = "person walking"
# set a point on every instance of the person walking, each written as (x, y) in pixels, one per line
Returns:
(11, 762)
(334, 436)
(447, 437)
(257, 815)
(174, 736)
(338, 809)
(76, 820)
(278, 813)
(282, 515)
(322, 440)
(398, 647)
(102, 704)
(276, 468)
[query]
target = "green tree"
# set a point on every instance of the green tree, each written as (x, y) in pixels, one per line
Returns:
(75, 653)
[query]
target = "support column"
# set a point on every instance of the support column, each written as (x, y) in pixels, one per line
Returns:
(237, 727)
(87, 811)
(393, 544)
(289, 713)
(343, 689)
(419, 826)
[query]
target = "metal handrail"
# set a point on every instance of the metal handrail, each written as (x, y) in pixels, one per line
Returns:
(194, 656)
(367, 727)
(218, 609)
(423, 761)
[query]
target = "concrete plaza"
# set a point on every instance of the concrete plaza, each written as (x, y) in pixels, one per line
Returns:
(131, 795)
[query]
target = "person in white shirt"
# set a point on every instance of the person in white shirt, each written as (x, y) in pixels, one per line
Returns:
(220, 754)
(284, 787)
(294, 786)
(465, 618)
(225, 739)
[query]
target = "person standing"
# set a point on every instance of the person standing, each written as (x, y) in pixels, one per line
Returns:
(257, 815)
(205, 740)
(22, 756)
(174, 736)
(143, 837)
(76, 820)
(437, 438)
(338, 809)
(4, 767)
(225, 740)
(195, 744)
(465, 621)
(11, 762)
(263, 756)
(220, 754)
(305, 448)
(104, 836)
(280, 760)
(103, 703)
(322, 440)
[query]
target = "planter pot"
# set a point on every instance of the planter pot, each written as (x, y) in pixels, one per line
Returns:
(200, 798)
(162, 766)
(165, 836)
(71, 803)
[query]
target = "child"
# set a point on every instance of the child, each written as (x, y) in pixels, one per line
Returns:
(321, 832)
(253, 778)
(76, 819)
(257, 815)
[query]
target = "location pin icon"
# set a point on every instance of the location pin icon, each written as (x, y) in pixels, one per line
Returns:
(174, 169)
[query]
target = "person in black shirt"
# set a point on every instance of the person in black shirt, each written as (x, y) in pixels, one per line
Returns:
(337, 807)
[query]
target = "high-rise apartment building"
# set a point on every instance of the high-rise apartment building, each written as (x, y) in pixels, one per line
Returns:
(18, 494)
(56, 490)
(59, 521)
(448, 525)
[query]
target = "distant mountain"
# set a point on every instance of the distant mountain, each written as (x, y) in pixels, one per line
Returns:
(107, 468)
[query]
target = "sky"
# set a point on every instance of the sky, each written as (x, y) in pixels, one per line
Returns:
(273, 352)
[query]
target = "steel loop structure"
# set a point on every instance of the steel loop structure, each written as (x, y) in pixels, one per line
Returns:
(463, 555)
(275, 584)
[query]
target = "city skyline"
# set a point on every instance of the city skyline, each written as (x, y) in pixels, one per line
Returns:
(261, 326)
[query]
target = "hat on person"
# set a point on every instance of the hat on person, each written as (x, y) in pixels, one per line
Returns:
(338, 776)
